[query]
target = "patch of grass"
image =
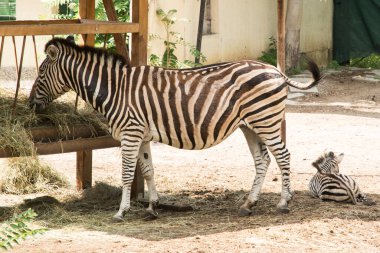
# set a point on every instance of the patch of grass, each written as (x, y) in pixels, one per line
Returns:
(369, 62)
(270, 55)
(333, 65)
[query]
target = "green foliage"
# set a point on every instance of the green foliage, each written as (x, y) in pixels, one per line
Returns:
(369, 62)
(270, 55)
(16, 229)
(171, 41)
(69, 9)
(333, 65)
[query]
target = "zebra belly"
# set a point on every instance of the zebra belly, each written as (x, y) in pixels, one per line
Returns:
(188, 141)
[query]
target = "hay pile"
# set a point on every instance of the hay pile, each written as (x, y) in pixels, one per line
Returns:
(26, 174)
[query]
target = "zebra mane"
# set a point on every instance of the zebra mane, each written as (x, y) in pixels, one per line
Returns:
(324, 158)
(98, 51)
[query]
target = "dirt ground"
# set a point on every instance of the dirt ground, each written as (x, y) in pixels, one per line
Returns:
(343, 117)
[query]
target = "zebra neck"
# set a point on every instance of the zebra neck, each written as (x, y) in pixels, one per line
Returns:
(97, 79)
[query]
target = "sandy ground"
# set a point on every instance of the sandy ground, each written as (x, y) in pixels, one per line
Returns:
(215, 182)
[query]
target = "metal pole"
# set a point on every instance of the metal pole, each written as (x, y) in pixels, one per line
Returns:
(200, 28)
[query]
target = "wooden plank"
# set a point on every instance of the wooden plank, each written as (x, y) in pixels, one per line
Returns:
(119, 38)
(38, 28)
(84, 169)
(140, 40)
(67, 146)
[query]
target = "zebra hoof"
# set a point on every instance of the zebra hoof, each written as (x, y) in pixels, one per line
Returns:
(244, 212)
(118, 218)
(283, 210)
(151, 214)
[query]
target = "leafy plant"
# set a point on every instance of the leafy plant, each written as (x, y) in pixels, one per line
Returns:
(370, 62)
(16, 229)
(270, 55)
(171, 41)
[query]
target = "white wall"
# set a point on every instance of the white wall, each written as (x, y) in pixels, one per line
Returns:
(243, 28)
(26, 10)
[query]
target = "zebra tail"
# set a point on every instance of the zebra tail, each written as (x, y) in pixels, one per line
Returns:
(313, 68)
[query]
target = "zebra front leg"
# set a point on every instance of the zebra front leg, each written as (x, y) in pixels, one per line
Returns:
(282, 155)
(261, 158)
(145, 162)
(130, 145)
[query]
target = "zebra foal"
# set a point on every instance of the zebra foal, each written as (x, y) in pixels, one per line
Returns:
(189, 109)
(329, 184)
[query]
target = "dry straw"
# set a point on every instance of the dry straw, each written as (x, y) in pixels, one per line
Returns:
(26, 173)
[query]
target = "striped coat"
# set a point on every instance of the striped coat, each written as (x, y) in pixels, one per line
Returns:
(329, 184)
(189, 109)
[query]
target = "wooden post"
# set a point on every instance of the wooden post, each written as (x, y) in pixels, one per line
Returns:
(1, 49)
(84, 169)
(140, 39)
(139, 57)
(281, 50)
(119, 38)
(84, 157)
(87, 11)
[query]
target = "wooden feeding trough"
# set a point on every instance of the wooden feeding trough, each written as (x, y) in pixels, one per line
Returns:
(81, 139)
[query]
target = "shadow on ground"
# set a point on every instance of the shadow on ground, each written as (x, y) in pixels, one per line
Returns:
(213, 212)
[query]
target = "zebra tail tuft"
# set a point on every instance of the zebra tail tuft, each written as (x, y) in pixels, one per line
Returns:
(316, 73)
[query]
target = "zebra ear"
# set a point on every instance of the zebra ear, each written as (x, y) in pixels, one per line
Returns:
(70, 39)
(339, 158)
(315, 165)
(52, 52)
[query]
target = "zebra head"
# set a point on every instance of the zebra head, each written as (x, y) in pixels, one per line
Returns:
(328, 163)
(49, 84)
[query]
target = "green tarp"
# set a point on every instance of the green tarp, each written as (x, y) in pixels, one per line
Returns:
(356, 29)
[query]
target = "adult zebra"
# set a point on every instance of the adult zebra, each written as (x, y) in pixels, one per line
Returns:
(188, 109)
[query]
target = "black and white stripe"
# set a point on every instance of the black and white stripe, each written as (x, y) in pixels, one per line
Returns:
(329, 184)
(189, 109)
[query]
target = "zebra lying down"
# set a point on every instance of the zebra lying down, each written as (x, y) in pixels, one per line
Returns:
(189, 109)
(329, 184)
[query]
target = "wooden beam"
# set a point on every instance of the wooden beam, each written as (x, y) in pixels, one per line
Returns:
(140, 40)
(67, 146)
(87, 11)
(18, 28)
(84, 169)
(119, 38)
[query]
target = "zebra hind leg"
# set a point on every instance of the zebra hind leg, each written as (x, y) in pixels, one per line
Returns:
(130, 145)
(261, 158)
(145, 162)
(282, 156)
(362, 198)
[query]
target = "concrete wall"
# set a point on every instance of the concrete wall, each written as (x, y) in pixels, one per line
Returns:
(26, 10)
(242, 28)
